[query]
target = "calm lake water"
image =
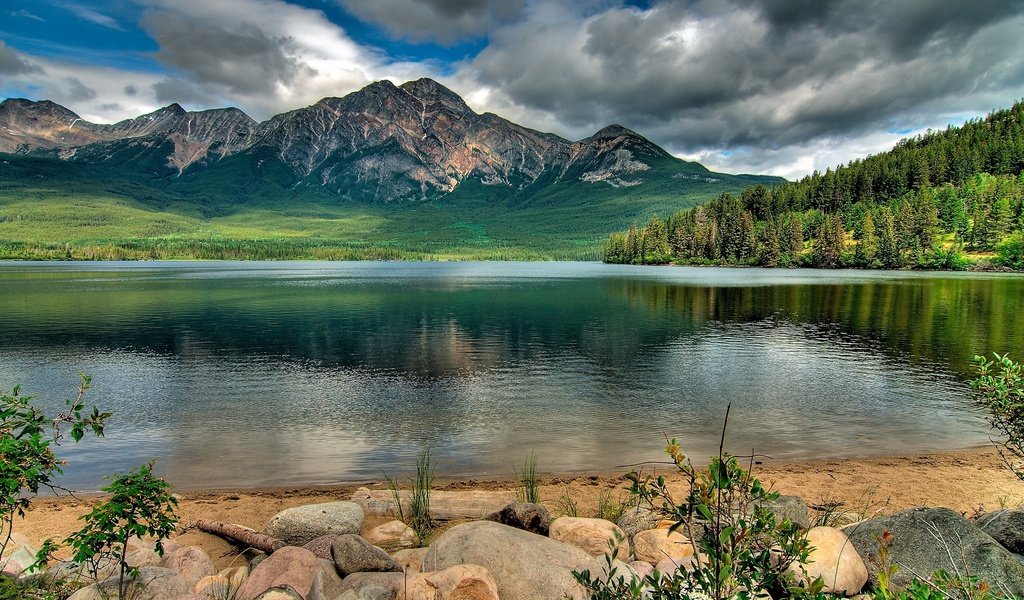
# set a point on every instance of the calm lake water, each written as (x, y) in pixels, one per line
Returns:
(240, 374)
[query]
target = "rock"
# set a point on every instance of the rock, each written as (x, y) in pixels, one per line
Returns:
(368, 592)
(295, 567)
(411, 559)
(321, 546)
(191, 562)
(790, 507)
(655, 545)
(280, 593)
(328, 581)
(400, 586)
(642, 568)
(353, 554)
(524, 565)
(256, 560)
(19, 561)
(302, 524)
(916, 549)
(591, 535)
(444, 506)
(213, 586)
(153, 583)
(835, 560)
(667, 566)
(1005, 527)
(392, 533)
(527, 516)
(464, 582)
(637, 519)
(236, 576)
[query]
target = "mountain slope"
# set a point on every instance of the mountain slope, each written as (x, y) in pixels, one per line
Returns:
(385, 154)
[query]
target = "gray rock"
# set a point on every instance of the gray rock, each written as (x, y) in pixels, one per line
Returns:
(527, 516)
(353, 554)
(924, 539)
(1005, 527)
(302, 524)
(191, 562)
(637, 519)
(790, 507)
(368, 592)
(328, 582)
(153, 583)
(525, 566)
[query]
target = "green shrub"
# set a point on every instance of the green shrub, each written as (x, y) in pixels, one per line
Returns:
(999, 388)
(529, 485)
(28, 461)
(1010, 253)
(140, 505)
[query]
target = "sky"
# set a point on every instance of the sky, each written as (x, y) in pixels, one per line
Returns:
(781, 87)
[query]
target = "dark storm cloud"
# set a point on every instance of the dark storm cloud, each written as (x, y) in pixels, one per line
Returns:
(183, 92)
(241, 59)
(765, 73)
(443, 21)
(12, 64)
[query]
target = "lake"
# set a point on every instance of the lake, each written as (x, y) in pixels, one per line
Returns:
(281, 374)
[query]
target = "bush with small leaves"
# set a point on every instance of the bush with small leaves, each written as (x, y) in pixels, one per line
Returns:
(140, 505)
(999, 388)
(28, 438)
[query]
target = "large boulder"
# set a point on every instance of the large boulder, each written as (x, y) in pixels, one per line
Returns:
(353, 554)
(191, 562)
(835, 560)
(1005, 527)
(399, 586)
(153, 583)
(925, 540)
(655, 545)
(302, 524)
(591, 535)
(464, 582)
(527, 516)
(524, 565)
(368, 592)
(294, 567)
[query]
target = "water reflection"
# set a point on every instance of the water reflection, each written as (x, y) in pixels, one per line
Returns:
(236, 373)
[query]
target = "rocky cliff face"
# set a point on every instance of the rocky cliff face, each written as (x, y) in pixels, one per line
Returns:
(387, 142)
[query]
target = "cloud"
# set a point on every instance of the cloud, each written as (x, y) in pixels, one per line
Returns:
(13, 64)
(704, 76)
(26, 15)
(267, 56)
(442, 21)
(90, 14)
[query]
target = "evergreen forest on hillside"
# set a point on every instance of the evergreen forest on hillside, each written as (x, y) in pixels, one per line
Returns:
(942, 200)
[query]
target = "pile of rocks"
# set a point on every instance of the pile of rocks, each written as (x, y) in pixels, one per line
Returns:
(520, 553)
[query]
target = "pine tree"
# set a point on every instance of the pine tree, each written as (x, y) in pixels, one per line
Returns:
(828, 245)
(769, 248)
(867, 245)
(795, 235)
(888, 251)
(748, 243)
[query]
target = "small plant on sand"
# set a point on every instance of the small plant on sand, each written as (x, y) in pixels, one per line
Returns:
(28, 439)
(744, 550)
(999, 388)
(140, 505)
(567, 507)
(529, 485)
(609, 507)
(419, 518)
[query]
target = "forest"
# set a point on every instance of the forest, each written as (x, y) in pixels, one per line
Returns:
(950, 199)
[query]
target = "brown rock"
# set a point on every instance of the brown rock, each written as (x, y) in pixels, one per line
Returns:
(213, 586)
(534, 518)
(321, 546)
(464, 582)
(411, 559)
(655, 545)
(295, 567)
(833, 558)
(191, 562)
(392, 533)
(591, 535)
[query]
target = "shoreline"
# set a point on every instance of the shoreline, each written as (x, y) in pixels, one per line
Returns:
(966, 480)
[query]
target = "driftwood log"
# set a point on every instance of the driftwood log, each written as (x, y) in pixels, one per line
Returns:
(241, 535)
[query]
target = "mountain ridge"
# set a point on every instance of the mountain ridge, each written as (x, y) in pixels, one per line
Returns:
(357, 169)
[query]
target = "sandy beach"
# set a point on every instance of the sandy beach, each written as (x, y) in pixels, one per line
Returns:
(965, 480)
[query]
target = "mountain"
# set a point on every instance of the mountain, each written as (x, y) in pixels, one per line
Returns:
(379, 152)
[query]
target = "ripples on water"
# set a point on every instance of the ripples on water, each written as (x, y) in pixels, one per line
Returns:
(287, 373)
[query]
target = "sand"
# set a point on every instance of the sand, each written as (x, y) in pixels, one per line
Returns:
(968, 481)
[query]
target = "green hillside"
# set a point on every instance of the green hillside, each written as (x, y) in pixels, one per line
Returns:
(946, 199)
(251, 207)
